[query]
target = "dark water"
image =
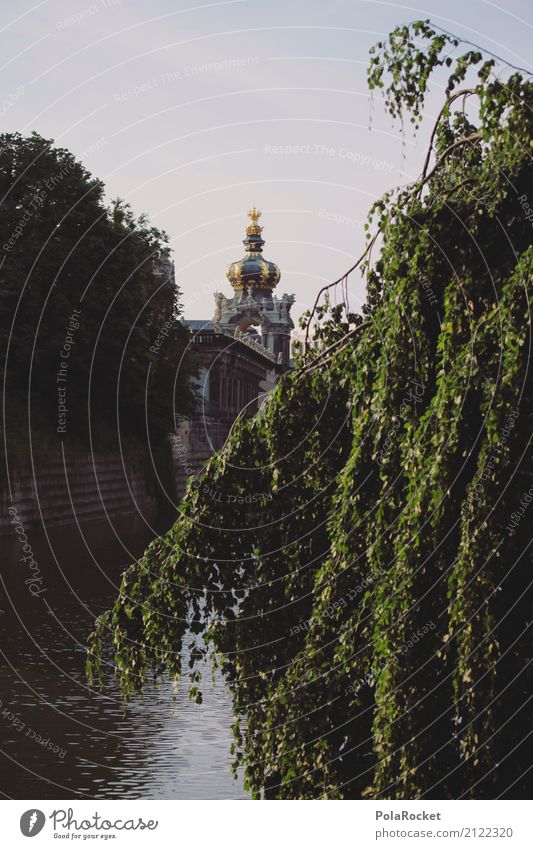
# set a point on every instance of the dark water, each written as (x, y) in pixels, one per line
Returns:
(57, 740)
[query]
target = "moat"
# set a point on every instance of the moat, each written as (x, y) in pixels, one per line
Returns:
(59, 740)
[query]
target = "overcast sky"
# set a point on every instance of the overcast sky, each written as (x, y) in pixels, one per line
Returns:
(195, 111)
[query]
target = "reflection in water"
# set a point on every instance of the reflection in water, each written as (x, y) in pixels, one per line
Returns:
(59, 741)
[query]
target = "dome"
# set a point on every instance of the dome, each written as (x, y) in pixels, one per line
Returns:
(253, 271)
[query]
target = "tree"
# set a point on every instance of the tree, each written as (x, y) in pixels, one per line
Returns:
(73, 269)
(370, 613)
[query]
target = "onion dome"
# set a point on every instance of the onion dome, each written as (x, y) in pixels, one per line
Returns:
(252, 271)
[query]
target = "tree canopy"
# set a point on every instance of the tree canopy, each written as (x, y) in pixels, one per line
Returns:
(370, 616)
(74, 269)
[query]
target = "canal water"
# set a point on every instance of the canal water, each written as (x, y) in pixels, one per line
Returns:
(60, 741)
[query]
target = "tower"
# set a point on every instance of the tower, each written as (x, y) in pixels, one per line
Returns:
(253, 279)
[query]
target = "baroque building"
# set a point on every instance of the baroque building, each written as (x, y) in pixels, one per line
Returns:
(254, 279)
(240, 354)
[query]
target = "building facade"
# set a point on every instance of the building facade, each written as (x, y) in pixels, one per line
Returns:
(240, 354)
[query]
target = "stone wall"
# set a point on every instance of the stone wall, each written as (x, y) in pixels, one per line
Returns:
(80, 487)
(193, 443)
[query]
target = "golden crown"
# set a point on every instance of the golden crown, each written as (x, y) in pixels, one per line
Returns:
(254, 229)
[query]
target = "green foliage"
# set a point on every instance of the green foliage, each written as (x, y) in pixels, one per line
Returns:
(370, 616)
(402, 68)
(63, 249)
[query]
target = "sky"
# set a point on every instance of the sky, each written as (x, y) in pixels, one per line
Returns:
(195, 111)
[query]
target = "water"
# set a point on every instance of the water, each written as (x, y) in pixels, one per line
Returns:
(59, 741)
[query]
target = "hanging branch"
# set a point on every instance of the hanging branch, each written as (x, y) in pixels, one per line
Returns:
(309, 367)
(485, 50)
(467, 92)
(473, 137)
(416, 189)
(336, 283)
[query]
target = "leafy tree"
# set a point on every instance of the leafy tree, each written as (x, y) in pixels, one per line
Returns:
(67, 259)
(369, 611)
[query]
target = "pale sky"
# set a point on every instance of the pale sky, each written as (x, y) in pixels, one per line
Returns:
(195, 111)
